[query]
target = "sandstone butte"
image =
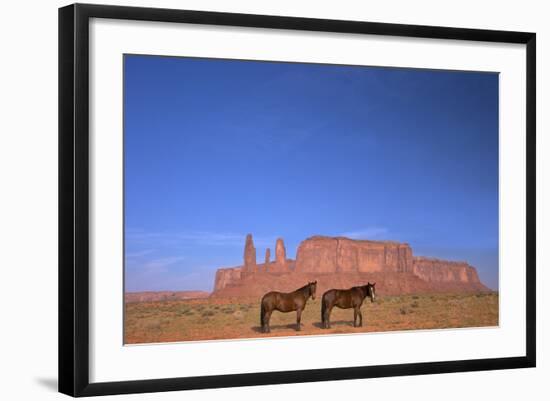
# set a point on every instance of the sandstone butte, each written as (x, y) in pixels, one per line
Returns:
(339, 262)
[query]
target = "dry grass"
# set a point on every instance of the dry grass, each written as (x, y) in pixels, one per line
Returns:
(210, 319)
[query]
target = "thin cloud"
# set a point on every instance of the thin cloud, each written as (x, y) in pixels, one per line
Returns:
(162, 263)
(204, 238)
(367, 233)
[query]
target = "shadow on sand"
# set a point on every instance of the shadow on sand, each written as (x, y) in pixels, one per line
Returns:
(319, 325)
(291, 326)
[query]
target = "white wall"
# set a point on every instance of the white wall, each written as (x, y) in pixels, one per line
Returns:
(28, 200)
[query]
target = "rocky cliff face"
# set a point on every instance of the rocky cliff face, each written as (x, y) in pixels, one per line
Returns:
(346, 262)
(227, 276)
(340, 255)
(442, 271)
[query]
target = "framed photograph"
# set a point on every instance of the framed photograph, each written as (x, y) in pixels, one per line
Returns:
(251, 199)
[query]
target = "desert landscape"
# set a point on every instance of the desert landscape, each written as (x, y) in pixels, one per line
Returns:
(412, 293)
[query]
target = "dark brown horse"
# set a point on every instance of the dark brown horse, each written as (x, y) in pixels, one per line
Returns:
(285, 302)
(346, 299)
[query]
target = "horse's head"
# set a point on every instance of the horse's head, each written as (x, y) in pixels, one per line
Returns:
(371, 291)
(312, 288)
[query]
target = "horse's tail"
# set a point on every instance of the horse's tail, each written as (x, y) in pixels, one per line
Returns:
(323, 309)
(262, 314)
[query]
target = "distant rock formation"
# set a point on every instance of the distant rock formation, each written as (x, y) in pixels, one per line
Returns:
(442, 271)
(345, 262)
(250, 255)
(160, 296)
(280, 252)
(267, 256)
(281, 264)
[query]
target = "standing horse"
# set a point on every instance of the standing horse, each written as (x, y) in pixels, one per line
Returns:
(345, 299)
(285, 302)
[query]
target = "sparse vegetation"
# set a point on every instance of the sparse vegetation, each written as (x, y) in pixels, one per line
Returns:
(207, 313)
(208, 319)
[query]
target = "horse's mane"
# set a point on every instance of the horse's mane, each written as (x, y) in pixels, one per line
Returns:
(304, 287)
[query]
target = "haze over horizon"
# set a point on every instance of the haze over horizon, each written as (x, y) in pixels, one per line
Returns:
(216, 149)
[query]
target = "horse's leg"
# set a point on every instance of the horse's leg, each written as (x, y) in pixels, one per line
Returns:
(267, 319)
(327, 320)
(298, 319)
(360, 317)
(354, 317)
(262, 317)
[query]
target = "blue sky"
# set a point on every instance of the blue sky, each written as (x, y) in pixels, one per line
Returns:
(216, 149)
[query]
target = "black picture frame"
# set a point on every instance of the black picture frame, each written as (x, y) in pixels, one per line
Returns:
(74, 198)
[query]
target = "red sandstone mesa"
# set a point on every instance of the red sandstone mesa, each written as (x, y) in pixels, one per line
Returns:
(343, 262)
(340, 255)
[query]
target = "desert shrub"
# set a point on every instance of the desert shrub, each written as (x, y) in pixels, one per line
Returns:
(415, 297)
(153, 325)
(207, 313)
(414, 304)
(403, 311)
